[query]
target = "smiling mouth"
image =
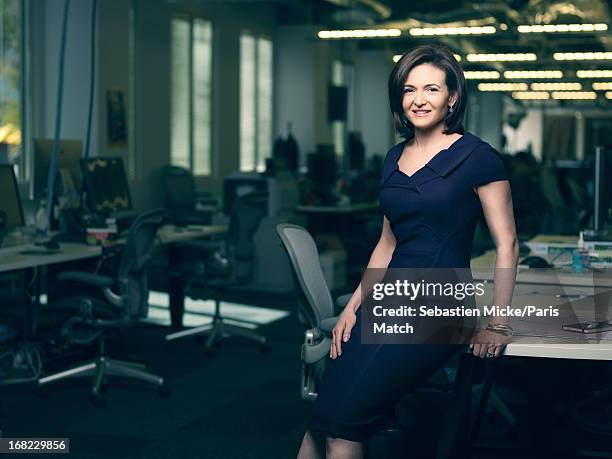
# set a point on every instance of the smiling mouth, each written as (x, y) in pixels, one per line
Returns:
(421, 112)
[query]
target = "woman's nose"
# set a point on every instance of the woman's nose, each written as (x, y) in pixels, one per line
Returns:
(419, 98)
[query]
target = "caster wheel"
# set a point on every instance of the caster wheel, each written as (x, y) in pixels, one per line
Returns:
(168, 346)
(265, 348)
(164, 391)
(96, 400)
(41, 392)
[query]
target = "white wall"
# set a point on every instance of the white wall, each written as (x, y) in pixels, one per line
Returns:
(294, 85)
(529, 132)
(485, 115)
(372, 113)
(46, 35)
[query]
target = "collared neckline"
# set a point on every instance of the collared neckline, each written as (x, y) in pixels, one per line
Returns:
(446, 159)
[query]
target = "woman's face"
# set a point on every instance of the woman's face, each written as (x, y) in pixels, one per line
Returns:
(426, 97)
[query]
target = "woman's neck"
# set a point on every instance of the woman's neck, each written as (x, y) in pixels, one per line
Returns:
(430, 139)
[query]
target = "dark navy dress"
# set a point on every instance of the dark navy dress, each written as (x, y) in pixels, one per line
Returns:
(433, 214)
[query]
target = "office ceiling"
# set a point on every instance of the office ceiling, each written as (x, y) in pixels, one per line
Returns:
(503, 14)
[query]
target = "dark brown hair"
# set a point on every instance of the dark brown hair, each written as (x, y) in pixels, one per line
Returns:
(441, 58)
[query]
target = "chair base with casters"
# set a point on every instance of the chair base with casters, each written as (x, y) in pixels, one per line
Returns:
(104, 367)
(218, 330)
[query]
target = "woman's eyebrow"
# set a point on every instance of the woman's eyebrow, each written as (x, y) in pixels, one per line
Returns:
(408, 85)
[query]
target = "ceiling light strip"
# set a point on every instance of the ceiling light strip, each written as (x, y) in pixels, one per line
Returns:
(481, 75)
(437, 31)
(502, 87)
(501, 57)
(358, 33)
(397, 57)
(581, 56)
(603, 86)
(574, 95)
(594, 73)
(515, 74)
(556, 86)
(531, 95)
(556, 28)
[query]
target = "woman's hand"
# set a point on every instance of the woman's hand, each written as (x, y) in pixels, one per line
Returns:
(488, 344)
(342, 331)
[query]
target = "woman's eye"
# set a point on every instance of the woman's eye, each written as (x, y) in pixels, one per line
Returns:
(432, 89)
(408, 90)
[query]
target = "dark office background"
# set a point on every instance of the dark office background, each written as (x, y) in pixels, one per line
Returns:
(227, 90)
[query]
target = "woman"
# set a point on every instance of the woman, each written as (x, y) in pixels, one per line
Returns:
(435, 185)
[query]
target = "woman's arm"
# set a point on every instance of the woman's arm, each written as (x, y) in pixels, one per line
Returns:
(496, 202)
(380, 258)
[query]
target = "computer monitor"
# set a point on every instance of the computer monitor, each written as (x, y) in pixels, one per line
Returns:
(10, 201)
(69, 159)
(602, 188)
(106, 185)
(323, 165)
(239, 184)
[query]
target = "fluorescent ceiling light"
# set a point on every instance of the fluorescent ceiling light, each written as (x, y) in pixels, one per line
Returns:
(554, 28)
(431, 31)
(574, 95)
(481, 74)
(594, 73)
(397, 57)
(608, 94)
(502, 87)
(556, 86)
(359, 33)
(531, 95)
(602, 86)
(501, 57)
(510, 74)
(590, 56)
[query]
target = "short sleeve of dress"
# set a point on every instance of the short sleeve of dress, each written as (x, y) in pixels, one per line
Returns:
(485, 165)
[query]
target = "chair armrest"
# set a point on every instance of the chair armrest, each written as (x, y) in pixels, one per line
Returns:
(327, 325)
(342, 301)
(96, 280)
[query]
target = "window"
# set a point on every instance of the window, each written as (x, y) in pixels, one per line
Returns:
(191, 89)
(255, 102)
(11, 86)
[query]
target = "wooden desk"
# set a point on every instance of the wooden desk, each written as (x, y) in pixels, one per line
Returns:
(11, 259)
(171, 236)
(341, 210)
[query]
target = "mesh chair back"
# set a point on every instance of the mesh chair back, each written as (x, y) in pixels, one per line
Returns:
(180, 194)
(132, 272)
(316, 302)
(246, 215)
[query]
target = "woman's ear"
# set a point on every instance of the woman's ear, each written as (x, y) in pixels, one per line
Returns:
(452, 100)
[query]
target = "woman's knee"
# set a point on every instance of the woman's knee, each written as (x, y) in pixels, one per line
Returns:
(339, 448)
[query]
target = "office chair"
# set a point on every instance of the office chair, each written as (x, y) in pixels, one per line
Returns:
(124, 308)
(225, 267)
(316, 312)
(181, 197)
(316, 309)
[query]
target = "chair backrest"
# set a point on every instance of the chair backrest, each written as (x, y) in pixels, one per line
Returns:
(246, 215)
(315, 300)
(132, 271)
(180, 195)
